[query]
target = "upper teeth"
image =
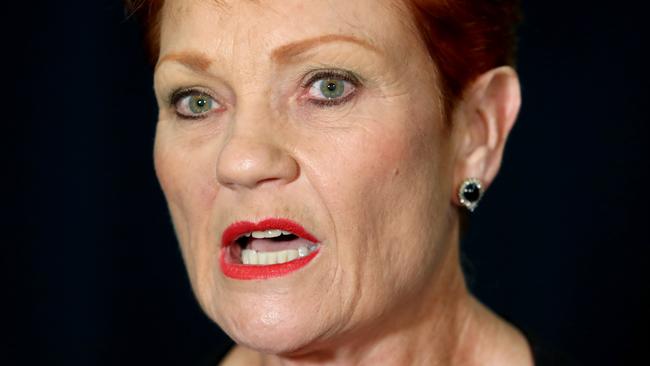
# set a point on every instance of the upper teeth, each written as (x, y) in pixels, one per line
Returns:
(274, 233)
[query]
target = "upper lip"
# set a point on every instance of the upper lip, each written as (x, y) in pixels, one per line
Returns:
(239, 228)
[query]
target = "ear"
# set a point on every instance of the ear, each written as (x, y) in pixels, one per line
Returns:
(482, 122)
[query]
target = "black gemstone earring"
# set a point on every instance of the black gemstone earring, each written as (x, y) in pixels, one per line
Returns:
(470, 193)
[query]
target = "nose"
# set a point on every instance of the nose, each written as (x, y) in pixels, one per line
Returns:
(250, 157)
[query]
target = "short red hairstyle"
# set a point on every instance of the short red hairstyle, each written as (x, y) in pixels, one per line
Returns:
(465, 38)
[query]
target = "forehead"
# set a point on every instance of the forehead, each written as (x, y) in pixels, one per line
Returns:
(228, 27)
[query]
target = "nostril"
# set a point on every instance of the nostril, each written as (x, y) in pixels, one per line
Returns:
(267, 180)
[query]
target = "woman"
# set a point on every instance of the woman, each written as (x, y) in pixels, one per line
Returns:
(318, 158)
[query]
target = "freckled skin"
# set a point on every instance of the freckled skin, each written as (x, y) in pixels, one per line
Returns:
(372, 178)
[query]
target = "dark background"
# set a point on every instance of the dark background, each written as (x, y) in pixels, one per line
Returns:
(93, 275)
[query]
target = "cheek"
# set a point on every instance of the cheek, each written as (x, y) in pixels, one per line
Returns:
(385, 190)
(186, 174)
(389, 170)
(400, 187)
(187, 180)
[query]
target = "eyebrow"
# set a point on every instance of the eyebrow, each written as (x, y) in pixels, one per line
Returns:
(200, 62)
(193, 60)
(285, 53)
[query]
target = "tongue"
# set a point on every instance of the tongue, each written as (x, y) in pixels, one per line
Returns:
(266, 245)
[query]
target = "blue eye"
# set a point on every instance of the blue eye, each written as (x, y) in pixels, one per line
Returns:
(331, 88)
(193, 104)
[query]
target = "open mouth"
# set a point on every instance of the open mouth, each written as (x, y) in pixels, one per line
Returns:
(270, 248)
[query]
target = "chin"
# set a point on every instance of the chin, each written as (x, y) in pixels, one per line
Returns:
(273, 330)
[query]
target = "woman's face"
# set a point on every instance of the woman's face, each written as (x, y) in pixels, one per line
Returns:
(325, 113)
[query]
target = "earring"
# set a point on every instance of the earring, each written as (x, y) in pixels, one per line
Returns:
(470, 193)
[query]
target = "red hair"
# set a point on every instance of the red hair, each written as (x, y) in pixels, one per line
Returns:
(465, 38)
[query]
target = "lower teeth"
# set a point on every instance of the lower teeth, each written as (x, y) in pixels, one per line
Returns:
(252, 257)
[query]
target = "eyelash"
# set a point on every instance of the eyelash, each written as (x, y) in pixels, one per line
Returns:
(332, 74)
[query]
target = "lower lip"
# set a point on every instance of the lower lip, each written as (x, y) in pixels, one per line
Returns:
(252, 272)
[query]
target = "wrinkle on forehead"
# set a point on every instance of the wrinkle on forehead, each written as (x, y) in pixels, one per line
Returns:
(248, 31)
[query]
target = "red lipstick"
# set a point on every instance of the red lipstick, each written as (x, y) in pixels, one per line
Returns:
(239, 271)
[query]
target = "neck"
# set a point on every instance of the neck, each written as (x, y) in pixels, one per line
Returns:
(445, 325)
